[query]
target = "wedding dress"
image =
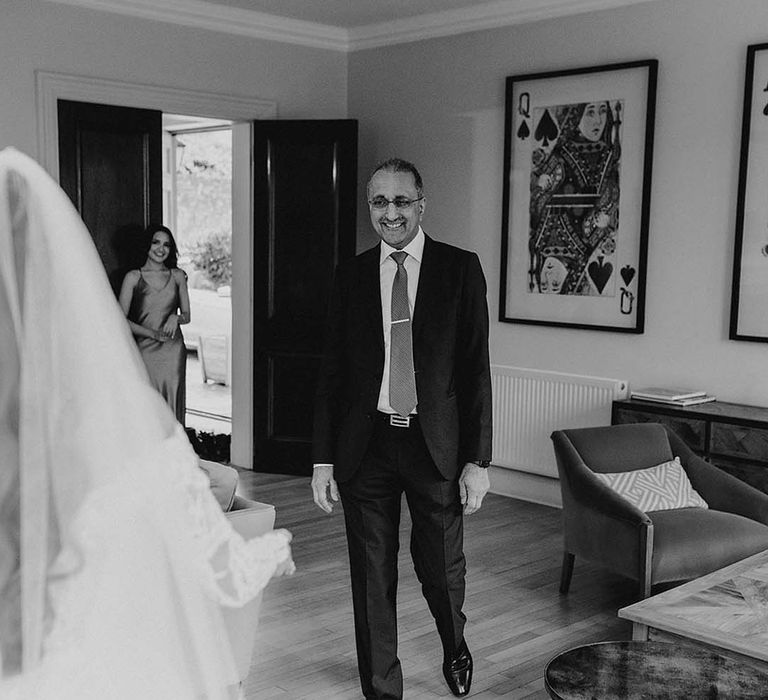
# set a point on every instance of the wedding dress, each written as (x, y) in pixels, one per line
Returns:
(115, 559)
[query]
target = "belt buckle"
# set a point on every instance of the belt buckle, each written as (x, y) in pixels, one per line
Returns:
(399, 421)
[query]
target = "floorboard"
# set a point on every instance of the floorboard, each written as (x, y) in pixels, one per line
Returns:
(517, 620)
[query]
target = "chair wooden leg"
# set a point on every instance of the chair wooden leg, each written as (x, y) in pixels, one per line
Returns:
(567, 572)
(646, 547)
(645, 588)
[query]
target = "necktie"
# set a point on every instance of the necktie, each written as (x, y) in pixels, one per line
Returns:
(402, 383)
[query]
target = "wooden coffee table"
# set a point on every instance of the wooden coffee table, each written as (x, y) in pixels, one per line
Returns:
(725, 611)
(650, 670)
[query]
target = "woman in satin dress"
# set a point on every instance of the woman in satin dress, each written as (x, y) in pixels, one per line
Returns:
(156, 301)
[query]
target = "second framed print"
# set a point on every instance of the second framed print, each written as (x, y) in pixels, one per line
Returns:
(578, 148)
(749, 319)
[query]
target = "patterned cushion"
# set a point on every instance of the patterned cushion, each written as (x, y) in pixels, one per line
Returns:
(662, 487)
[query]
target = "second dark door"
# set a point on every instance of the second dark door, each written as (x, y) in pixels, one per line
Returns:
(305, 216)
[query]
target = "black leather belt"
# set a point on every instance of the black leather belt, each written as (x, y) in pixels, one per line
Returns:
(397, 421)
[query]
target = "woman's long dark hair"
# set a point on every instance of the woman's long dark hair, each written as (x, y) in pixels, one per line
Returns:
(172, 261)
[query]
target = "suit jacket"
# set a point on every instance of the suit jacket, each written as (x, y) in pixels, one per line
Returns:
(450, 354)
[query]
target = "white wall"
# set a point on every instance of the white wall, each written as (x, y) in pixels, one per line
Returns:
(37, 35)
(302, 83)
(440, 103)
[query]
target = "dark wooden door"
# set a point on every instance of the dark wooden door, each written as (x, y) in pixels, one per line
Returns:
(305, 192)
(110, 165)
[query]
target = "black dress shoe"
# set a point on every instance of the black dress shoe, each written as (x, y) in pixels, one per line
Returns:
(458, 671)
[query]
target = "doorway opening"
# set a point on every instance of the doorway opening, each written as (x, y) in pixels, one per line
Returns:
(197, 206)
(243, 111)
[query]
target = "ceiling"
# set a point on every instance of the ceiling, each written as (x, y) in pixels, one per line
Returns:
(348, 25)
(349, 14)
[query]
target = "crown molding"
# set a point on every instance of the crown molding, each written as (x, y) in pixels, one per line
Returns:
(487, 15)
(221, 18)
(260, 25)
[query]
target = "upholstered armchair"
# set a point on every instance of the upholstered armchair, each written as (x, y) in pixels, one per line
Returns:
(250, 519)
(659, 546)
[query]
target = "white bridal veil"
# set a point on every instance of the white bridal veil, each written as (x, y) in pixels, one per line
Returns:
(114, 555)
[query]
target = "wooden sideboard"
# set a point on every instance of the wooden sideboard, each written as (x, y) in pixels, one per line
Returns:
(731, 436)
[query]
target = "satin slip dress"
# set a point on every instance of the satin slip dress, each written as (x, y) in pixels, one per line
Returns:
(166, 361)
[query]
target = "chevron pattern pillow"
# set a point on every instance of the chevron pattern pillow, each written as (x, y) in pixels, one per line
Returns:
(663, 487)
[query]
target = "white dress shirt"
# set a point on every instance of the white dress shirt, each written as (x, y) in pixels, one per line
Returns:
(387, 270)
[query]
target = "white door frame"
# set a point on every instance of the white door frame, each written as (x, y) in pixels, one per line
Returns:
(51, 87)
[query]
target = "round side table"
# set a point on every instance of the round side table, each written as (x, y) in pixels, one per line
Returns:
(650, 670)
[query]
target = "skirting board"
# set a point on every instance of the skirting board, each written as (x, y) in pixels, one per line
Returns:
(525, 486)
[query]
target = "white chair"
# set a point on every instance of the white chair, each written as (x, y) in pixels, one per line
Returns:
(250, 519)
(215, 355)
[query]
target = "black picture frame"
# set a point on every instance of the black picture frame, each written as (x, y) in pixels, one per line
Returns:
(578, 154)
(749, 319)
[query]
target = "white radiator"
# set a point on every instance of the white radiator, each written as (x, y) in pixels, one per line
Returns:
(529, 404)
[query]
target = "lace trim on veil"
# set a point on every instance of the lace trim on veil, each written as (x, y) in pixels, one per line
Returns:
(234, 570)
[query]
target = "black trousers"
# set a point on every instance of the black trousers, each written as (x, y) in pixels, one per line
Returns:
(398, 462)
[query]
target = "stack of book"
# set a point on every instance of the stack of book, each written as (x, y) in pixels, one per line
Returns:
(675, 397)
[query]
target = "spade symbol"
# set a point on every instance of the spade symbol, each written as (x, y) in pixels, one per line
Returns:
(546, 131)
(600, 272)
(627, 274)
(523, 132)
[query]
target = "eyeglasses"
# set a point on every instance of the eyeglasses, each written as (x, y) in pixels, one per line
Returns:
(381, 202)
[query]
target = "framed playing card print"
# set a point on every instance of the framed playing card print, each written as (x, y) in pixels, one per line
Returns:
(749, 317)
(578, 148)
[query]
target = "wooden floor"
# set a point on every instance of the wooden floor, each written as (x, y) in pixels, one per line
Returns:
(517, 620)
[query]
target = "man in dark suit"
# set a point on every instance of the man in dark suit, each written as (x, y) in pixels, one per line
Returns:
(404, 406)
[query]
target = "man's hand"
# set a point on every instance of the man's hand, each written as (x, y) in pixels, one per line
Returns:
(473, 485)
(322, 478)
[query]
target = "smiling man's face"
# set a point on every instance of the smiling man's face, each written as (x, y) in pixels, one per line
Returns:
(397, 227)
